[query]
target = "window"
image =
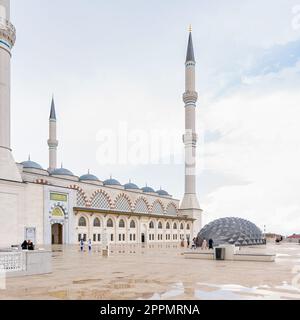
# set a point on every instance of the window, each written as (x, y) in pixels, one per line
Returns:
(120, 237)
(79, 237)
(132, 224)
(97, 222)
(84, 237)
(187, 227)
(99, 237)
(82, 222)
(94, 237)
(111, 237)
(121, 224)
(160, 225)
(168, 225)
(110, 223)
(174, 226)
(181, 226)
(123, 236)
(133, 237)
(151, 225)
(130, 237)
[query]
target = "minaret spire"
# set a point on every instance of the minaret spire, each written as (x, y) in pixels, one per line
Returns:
(190, 205)
(8, 167)
(52, 142)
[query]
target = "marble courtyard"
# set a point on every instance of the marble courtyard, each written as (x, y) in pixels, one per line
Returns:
(160, 272)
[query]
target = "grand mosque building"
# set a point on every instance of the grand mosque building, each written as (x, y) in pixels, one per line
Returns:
(55, 206)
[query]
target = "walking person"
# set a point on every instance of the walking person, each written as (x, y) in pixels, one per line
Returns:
(211, 244)
(81, 245)
(194, 245)
(204, 244)
(90, 245)
(188, 242)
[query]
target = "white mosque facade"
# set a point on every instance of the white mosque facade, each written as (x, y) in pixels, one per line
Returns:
(54, 206)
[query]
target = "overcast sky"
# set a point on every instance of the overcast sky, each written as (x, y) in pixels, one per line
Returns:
(117, 67)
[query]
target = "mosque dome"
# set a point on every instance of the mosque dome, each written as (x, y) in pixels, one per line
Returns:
(131, 186)
(61, 172)
(162, 192)
(111, 182)
(235, 231)
(88, 177)
(31, 165)
(148, 190)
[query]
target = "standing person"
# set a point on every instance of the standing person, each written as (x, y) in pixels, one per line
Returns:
(211, 244)
(188, 242)
(182, 243)
(24, 245)
(81, 245)
(204, 244)
(30, 245)
(90, 245)
(194, 244)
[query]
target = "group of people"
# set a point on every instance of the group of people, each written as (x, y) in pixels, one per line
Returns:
(82, 245)
(203, 244)
(199, 243)
(27, 245)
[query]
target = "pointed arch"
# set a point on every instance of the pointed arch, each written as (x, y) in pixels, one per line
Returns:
(123, 203)
(81, 198)
(141, 205)
(100, 200)
(158, 207)
(172, 209)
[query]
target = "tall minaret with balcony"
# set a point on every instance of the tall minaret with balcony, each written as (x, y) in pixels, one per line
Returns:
(8, 167)
(190, 205)
(52, 142)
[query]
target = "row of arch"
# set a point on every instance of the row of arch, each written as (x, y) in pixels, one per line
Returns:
(82, 222)
(101, 200)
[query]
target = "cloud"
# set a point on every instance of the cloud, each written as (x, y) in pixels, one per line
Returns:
(259, 143)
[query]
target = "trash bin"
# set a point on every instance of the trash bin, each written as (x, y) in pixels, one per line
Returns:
(220, 253)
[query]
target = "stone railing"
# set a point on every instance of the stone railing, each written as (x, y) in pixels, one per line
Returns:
(12, 261)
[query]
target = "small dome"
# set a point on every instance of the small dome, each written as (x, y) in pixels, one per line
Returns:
(88, 177)
(61, 172)
(148, 190)
(162, 192)
(112, 182)
(131, 186)
(232, 230)
(31, 165)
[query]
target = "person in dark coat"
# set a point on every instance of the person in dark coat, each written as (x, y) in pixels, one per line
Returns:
(24, 245)
(30, 245)
(211, 244)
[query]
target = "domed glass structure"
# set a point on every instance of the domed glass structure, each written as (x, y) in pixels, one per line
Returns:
(235, 231)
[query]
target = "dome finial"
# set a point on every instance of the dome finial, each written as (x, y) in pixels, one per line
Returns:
(88, 171)
(29, 157)
(190, 28)
(62, 165)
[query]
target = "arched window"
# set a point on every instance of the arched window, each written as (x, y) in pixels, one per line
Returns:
(188, 227)
(157, 208)
(121, 224)
(168, 225)
(82, 222)
(132, 224)
(110, 223)
(151, 225)
(175, 225)
(181, 226)
(160, 225)
(97, 222)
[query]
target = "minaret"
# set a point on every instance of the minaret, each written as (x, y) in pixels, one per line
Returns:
(190, 205)
(52, 142)
(8, 167)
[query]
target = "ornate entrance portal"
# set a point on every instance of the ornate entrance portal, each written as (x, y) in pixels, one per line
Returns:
(57, 233)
